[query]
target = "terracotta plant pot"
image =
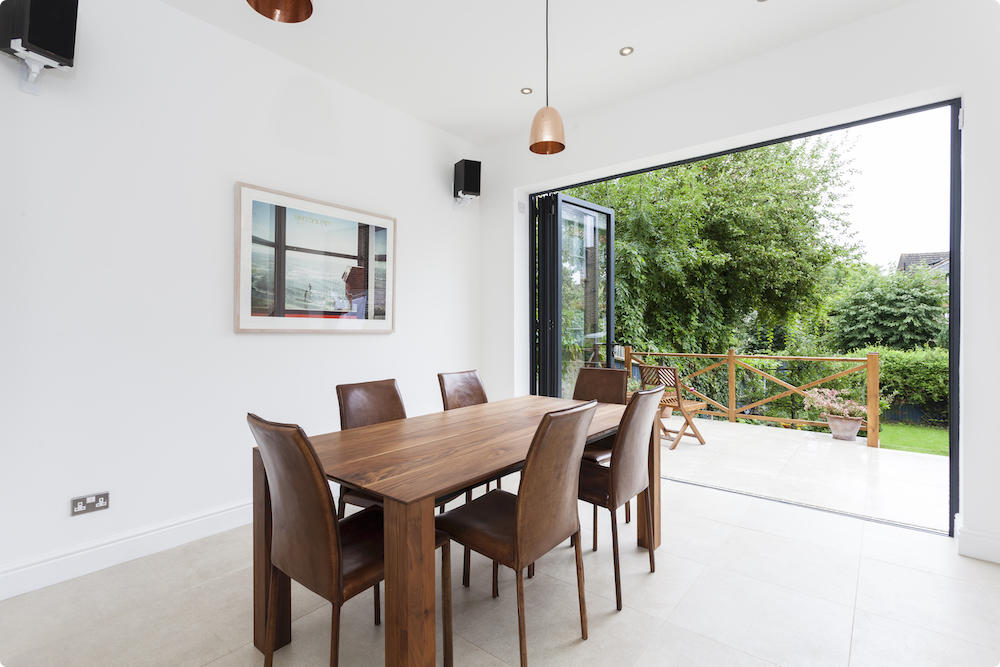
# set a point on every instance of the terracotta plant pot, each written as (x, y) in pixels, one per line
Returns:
(844, 428)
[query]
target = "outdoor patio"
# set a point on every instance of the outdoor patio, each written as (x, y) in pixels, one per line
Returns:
(811, 468)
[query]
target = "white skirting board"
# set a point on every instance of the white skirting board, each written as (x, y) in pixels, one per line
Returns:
(32, 576)
(976, 544)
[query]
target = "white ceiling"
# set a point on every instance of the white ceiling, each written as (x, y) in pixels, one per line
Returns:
(460, 64)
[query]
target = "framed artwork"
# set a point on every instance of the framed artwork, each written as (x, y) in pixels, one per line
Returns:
(308, 266)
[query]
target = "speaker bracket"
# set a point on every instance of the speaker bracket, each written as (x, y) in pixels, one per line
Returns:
(33, 66)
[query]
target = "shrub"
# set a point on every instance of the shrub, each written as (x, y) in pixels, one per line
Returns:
(918, 377)
(902, 310)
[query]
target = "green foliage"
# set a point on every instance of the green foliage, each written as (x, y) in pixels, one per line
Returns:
(902, 310)
(916, 377)
(701, 248)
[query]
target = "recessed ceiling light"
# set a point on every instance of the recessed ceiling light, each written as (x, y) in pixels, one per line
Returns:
(526, 91)
(625, 51)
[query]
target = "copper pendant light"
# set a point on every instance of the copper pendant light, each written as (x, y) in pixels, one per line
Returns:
(547, 135)
(283, 11)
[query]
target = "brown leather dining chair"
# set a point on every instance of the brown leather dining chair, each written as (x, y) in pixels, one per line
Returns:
(604, 385)
(336, 559)
(611, 482)
(364, 404)
(518, 530)
(461, 389)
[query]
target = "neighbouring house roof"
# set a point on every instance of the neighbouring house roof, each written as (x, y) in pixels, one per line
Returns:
(936, 261)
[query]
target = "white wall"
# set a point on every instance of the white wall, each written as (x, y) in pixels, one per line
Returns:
(120, 368)
(923, 52)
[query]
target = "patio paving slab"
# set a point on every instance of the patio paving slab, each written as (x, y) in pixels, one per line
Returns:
(812, 468)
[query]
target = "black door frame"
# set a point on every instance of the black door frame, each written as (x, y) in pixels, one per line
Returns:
(545, 253)
(955, 253)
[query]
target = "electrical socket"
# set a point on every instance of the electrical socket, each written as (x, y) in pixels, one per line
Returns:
(91, 503)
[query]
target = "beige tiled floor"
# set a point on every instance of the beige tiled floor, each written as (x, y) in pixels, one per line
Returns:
(739, 581)
(814, 469)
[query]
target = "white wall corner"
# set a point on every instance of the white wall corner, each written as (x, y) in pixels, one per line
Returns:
(976, 543)
(32, 576)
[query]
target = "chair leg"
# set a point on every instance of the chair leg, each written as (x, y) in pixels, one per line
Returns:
(531, 571)
(595, 527)
(520, 618)
(496, 579)
(618, 576)
(690, 419)
(628, 511)
(468, 496)
(441, 509)
(677, 439)
(649, 530)
(579, 586)
(466, 562)
(446, 603)
(378, 604)
(272, 619)
(499, 485)
(341, 505)
(335, 636)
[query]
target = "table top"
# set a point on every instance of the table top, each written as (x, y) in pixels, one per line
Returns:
(432, 455)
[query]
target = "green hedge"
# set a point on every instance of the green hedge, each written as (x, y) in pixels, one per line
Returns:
(917, 377)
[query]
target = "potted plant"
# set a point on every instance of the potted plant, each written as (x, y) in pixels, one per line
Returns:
(843, 414)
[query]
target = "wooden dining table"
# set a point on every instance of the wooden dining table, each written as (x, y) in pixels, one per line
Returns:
(409, 463)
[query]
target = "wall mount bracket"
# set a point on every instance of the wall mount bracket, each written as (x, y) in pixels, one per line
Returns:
(33, 66)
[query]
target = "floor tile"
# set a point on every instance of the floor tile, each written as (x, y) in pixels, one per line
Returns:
(880, 641)
(926, 551)
(969, 611)
(677, 647)
(767, 621)
(814, 570)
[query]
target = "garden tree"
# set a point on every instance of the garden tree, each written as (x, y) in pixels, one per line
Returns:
(702, 248)
(902, 310)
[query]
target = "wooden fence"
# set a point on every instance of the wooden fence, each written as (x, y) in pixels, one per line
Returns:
(732, 361)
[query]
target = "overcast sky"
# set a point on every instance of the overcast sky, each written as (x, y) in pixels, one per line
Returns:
(900, 196)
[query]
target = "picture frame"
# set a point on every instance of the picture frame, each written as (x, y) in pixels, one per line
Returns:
(309, 266)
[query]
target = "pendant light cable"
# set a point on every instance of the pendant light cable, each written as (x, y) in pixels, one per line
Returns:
(546, 52)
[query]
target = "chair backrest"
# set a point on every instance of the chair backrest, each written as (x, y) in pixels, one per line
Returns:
(630, 454)
(461, 389)
(305, 542)
(605, 385)
(547, 511)
(366, 403)
(657, 376)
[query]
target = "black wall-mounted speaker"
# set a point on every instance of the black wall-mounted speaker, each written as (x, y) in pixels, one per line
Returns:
(44, 27)
(467, 173)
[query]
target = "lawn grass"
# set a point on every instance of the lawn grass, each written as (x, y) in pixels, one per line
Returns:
(914, 438)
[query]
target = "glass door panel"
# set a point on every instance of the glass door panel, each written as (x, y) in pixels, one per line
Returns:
(572, 306)
(584, 290)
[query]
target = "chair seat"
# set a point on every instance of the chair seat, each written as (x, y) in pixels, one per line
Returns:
(689, 405)
(600, 451)
(486, 525)
(595, 483)
(360, 498)
(362, 548)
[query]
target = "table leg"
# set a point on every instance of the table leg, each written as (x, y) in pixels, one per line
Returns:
(409, 583)
(654, 490)
(262, 565)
